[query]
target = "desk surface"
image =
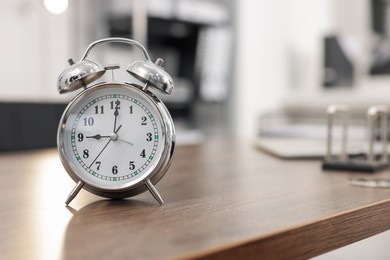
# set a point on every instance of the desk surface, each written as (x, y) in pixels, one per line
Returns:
(222, 199)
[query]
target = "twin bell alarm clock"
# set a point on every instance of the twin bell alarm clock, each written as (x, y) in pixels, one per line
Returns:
(115, 139)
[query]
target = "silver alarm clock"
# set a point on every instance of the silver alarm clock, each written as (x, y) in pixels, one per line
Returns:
(116, 139)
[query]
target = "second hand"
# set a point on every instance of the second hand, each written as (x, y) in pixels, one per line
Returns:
(100, 153)
(106, 146)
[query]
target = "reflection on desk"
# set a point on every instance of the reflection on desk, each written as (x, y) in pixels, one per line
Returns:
(223, 198)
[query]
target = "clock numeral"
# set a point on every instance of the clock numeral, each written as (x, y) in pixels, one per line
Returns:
(131, 109)
(149, 137)
(131, 165)
(117, 104)
(143, 155)
(86, 153)
(143, 120)
(80, 137)
(99, 110)
(89, 121)
(98, 165)
(115, 169)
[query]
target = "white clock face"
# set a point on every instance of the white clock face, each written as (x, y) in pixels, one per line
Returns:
(113, 137)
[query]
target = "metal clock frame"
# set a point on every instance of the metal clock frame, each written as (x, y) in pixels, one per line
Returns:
(84, 72)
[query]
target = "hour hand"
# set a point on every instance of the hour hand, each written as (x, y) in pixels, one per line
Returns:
(98, 136)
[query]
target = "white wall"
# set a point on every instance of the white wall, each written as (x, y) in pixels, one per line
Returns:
(260, 75)
(34, 48)
(280, 51)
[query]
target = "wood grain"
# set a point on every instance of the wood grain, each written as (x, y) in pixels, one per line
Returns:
(224, 199)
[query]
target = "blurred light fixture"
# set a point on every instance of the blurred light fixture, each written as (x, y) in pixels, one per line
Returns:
(56, 6)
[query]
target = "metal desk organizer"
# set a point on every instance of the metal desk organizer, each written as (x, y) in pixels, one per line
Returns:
(366, 162)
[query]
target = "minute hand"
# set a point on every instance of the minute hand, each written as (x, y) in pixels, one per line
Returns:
(116, 113)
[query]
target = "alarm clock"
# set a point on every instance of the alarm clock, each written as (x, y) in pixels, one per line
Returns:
(115, 139)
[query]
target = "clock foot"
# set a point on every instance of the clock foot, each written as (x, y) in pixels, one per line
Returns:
(154, 192)
(74, 192)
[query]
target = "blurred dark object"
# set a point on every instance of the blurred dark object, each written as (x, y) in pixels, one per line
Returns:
(338, 68)
(29, 125)
(381, 52)
(174, 41)
(164, 34)
(196, 53)
(378, 11)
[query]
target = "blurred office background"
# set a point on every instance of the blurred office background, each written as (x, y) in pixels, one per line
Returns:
(195, 38)
(235, 64)
(232, 61)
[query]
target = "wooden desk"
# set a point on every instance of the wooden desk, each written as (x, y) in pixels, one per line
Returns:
(222, 199)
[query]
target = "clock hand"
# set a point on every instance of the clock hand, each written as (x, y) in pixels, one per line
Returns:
(109, 141)
(125, 142)
(116, 113)
(112, 137)
(117, 129)
(115, 136)
(98, 136)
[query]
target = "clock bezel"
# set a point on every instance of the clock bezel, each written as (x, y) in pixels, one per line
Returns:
(153, 174)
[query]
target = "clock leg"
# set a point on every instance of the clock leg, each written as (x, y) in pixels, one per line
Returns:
(74, 192)
(154, 192)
